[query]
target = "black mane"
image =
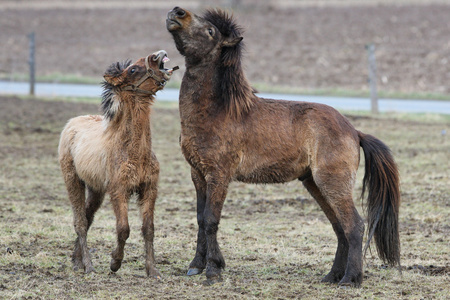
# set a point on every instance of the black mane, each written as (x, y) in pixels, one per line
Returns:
(234, 91)
(108, 105)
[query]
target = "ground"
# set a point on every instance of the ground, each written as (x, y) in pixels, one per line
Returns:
(276, 241)
(300, 45)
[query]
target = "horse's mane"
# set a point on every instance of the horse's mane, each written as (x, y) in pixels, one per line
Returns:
(109, 104)
(235, 92)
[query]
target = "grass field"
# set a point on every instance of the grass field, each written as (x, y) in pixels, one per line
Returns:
(276, 241)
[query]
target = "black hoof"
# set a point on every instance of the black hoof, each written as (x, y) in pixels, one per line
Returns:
(194, 271)
(332, 277)
(211, 281)
(350, 282)
(154, 274)
(115, 265)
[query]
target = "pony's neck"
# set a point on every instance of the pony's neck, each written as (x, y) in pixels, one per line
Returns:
(132, 123)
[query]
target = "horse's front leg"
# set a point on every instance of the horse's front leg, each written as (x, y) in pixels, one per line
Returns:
(119, 201)
(198, 264)
(216, 192)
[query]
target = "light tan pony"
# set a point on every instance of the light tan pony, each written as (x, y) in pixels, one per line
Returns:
(113, 154)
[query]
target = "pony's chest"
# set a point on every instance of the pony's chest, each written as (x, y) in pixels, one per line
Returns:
(132, 169)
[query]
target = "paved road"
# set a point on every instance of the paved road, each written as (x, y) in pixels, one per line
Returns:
(345, 103)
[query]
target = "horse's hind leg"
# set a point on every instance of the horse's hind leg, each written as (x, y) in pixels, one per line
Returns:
(340, 262)
(146, 201)
(93, 202)
(119, 201)
(334, 196)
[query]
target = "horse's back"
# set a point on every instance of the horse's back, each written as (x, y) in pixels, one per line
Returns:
(286, 140)
(301, 124)
(81, 142)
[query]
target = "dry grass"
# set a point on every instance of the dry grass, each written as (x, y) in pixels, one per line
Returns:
(276, 241)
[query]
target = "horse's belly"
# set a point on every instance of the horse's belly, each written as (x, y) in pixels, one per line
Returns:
(278, 172)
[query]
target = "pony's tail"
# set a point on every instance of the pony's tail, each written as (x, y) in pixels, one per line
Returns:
(381, 180)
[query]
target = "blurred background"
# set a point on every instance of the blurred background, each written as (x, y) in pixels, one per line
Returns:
(315, 47)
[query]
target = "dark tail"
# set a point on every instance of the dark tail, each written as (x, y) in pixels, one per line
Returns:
(381, 180)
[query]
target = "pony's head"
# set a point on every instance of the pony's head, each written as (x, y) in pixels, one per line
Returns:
(143, 78)
(205, 38)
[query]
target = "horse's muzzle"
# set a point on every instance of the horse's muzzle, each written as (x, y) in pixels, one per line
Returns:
(174, 17)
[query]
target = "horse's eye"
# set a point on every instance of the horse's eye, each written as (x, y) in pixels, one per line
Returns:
(211, 32)
(132, 70)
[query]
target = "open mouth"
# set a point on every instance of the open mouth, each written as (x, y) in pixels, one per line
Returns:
(161, 58)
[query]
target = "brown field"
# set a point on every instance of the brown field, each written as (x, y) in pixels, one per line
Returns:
(300, 45)
(276, 241)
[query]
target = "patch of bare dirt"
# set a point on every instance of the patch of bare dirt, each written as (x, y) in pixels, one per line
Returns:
(430, 270)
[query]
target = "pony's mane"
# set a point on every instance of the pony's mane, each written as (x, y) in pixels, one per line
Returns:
(110, 104)
(235, 92)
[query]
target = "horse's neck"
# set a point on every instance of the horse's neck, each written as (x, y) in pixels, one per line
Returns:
(205, 91)
(197, 91)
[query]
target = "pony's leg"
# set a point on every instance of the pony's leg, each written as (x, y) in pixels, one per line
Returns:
(147, 198)
(340, 261)
(216, 192)
(336, 191)
(198, 264)
(93, 202)
(76, 190)
(119, 201)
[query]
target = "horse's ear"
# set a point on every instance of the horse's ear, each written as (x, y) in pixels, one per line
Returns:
(114, 80)
(230, 42)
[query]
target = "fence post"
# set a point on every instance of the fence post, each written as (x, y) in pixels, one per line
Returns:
(32, 62)
(372, 78)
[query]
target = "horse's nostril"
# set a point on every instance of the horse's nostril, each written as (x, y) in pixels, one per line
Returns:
(180, 12)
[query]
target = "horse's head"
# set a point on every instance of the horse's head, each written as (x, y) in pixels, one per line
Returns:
(204, 39)
(147, 76)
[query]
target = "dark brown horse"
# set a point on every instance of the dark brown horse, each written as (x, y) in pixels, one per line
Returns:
(228, 133)
(113, 154)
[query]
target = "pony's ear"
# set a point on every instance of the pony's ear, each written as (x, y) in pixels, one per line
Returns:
(230, 42)
(114, 80)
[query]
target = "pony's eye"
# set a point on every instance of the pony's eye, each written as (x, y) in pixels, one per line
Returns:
(132, 70)
(211, 32)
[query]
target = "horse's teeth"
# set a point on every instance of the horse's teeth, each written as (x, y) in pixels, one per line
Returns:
(165, 59)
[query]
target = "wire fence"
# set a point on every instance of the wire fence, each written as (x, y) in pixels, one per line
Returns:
(307, 47)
